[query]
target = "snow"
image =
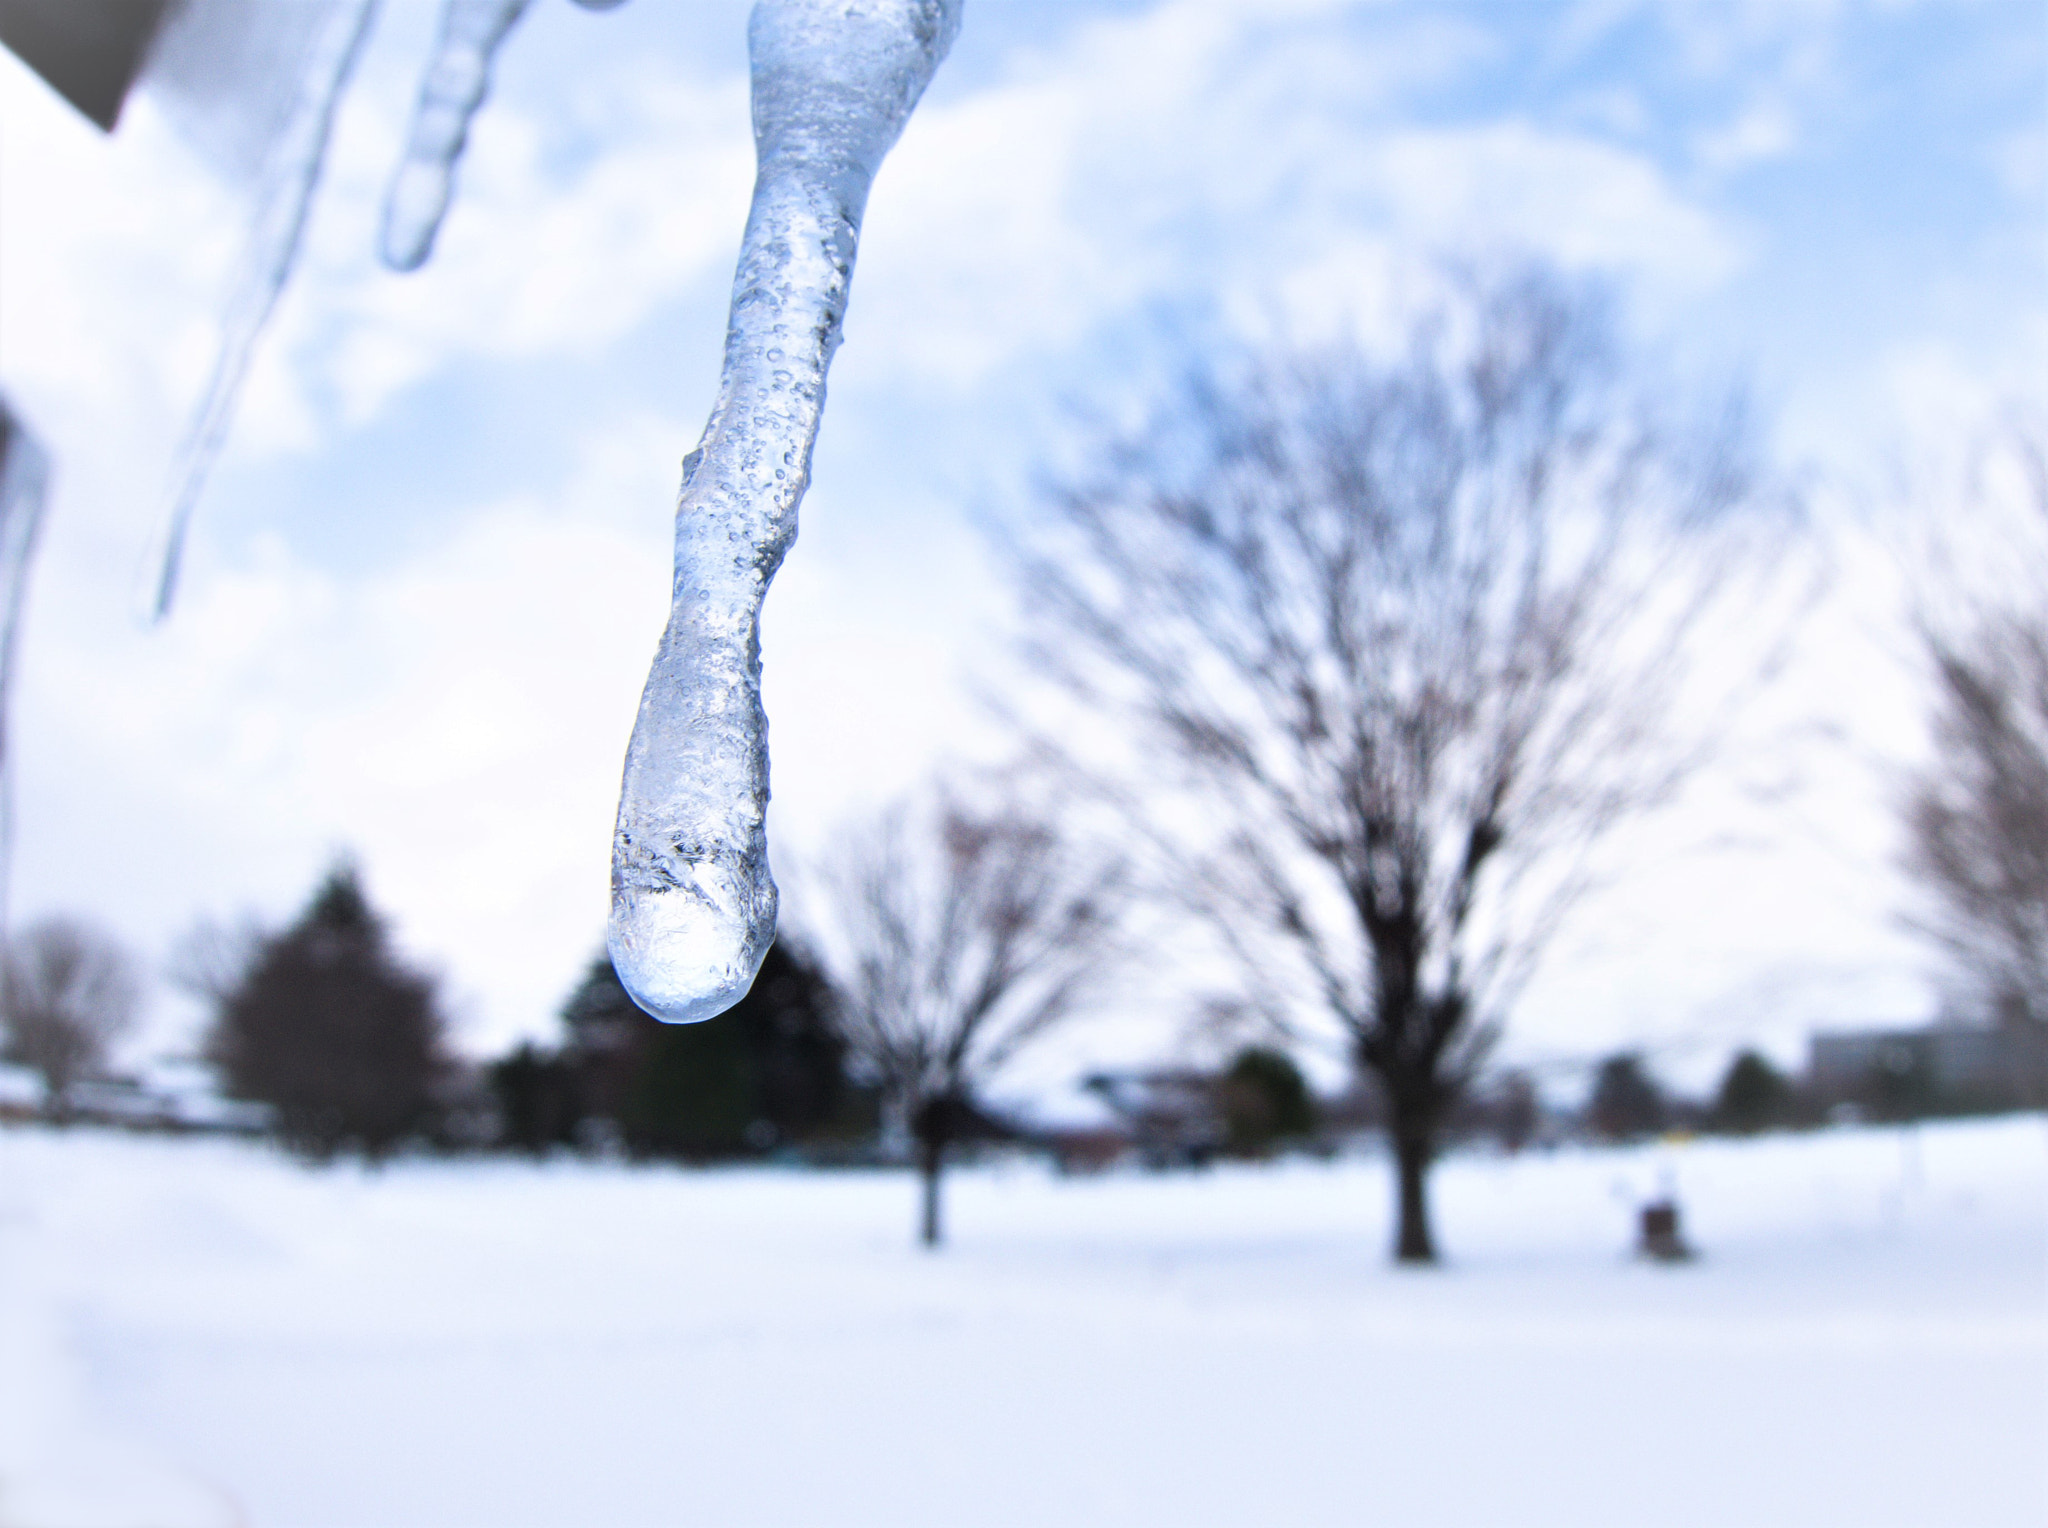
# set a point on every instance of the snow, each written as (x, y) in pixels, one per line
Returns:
(203, 1332)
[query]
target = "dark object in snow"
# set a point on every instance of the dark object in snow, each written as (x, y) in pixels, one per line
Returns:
(1660, 1239)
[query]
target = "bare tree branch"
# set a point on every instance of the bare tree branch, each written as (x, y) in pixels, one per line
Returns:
(1976, 814)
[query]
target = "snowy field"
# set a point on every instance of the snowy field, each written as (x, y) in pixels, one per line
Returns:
(204, 1333)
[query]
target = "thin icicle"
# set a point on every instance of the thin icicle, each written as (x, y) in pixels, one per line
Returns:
(693, 904)
(457, 79)
(292, 172)
(24, 482)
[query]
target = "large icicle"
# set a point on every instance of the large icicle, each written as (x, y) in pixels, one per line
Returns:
(291, 174)
(24, 482)
(693, 904)
(457, 78)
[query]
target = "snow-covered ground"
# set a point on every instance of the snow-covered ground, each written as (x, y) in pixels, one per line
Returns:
(202, 1332)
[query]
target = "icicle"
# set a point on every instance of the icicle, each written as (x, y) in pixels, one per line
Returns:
(292, 173)
(457, 79)
(693, 904)
(24, 479)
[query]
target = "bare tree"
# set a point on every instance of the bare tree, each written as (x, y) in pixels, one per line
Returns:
(1976, 813)
(1392, 645)
(955, 938)
(69, 991)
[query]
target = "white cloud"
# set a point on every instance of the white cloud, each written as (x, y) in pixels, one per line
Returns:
(2020, 160)
(1762, 131)
(1197, 150)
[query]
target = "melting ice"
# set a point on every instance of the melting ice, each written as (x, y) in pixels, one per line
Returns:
(24, 479)
(291, 163)
(693, 904)
(457, 79)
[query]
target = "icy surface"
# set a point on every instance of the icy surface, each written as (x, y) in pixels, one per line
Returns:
(457, 79)
(185, 1324)
(292, 163)
(693, 904)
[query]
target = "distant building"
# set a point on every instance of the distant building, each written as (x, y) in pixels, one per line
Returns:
(1937, 1068)
(1171, 1115)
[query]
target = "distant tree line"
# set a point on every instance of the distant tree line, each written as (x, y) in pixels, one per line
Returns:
(347, 1046)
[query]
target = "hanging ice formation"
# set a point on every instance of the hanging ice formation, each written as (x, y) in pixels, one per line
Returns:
(292, 149)
(452, 90)
(693, 904)
(457, 79)
(24, 475)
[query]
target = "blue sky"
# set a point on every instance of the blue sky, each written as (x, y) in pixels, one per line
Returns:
(429, 571)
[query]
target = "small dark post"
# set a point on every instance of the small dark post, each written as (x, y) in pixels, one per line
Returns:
(1659, 1239)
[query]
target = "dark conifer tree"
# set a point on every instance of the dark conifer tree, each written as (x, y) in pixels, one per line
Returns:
(1265, 1100)
(539, 1101)
(768, 1071)
(333, 1031)
(1754, 1095)
(1626, 1103)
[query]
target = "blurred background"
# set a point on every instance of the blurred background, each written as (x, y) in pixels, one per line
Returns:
(431, 563)
(386, 711)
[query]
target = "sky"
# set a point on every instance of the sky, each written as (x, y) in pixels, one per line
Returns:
(429, 571)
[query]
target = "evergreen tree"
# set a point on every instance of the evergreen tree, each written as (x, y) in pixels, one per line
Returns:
(1626, 1103)
(1754, 1095)
(1265, 1100)
(798, 1058)
(539, 1102)
(769, 1070)
(331, 1030)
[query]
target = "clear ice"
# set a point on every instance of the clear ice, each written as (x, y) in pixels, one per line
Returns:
(457, 79)
(24, 478)
(291, 174)
(693, 904)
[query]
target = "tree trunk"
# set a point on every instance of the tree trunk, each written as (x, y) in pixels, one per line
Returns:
(1413, 1242)
(930, 1160)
